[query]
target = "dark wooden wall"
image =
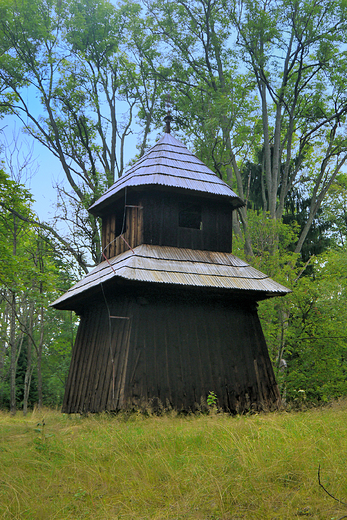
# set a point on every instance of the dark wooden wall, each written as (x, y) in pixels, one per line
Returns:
(173, 348)
(153, 218)
(161, 223)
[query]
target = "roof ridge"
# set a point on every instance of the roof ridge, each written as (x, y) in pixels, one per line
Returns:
(264, 277)
(177, 154)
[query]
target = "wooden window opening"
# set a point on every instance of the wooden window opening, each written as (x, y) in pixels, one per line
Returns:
(190, 217)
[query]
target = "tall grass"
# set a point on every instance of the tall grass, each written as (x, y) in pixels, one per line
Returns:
(171, 467)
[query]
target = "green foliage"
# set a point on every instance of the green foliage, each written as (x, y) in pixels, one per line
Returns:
(34, 341)
(335, 210)
(308, 327)
(257, 88)
(317, 334)
(212, 399)
(271, 243)
(80, 61)
(12, 196)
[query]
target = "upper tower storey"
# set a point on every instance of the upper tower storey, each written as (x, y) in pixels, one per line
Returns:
(167, 198)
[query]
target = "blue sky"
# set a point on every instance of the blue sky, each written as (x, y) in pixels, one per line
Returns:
(43, 173)
(47, 170)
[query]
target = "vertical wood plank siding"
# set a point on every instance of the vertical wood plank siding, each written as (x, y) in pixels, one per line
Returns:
(112, 243)
(170, 351)
(155, 220)
(161, 223)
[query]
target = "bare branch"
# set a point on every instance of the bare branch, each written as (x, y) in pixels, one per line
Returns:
(327, 492)
(56, 235)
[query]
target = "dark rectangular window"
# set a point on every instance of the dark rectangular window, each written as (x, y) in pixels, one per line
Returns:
(190, 217)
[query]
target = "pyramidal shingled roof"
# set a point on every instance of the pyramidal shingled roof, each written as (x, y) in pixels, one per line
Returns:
(169, 163)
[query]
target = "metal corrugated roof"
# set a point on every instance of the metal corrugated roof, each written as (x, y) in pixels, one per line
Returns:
(169, 163)
(175, 266)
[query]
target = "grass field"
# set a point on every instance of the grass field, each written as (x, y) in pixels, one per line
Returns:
(197, 467)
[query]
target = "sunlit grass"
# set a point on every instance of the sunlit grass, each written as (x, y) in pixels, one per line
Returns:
(197, 467)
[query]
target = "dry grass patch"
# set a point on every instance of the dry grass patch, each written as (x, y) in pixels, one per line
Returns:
(200, 467)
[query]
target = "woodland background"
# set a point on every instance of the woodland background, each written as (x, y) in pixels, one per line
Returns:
(258, 93)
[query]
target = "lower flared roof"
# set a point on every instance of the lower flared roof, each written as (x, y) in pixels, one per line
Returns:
(176, 267)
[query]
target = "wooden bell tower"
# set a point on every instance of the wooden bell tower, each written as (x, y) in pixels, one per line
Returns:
(170, 314)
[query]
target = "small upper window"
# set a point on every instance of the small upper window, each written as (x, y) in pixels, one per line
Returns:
(190, 217)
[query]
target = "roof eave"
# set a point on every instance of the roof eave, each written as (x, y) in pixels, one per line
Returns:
(99, 209)
(77, 301)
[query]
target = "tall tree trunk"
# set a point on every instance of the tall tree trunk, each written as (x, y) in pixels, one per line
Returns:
(13, 363)
(276, 162)
(13, 354)
(3, 341)
(267, 148)
(28, 372)
(242, 211)
(39, 360)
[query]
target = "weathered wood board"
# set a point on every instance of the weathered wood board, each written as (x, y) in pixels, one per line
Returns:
(171, 348)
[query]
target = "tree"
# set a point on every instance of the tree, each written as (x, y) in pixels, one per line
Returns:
(294, 51)
(273, 242)
(213, 101)
(223, 57)
(15, 270)
(75, 57)
(335, 210)
(316, 340)
(11, 231)
(30, 276)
